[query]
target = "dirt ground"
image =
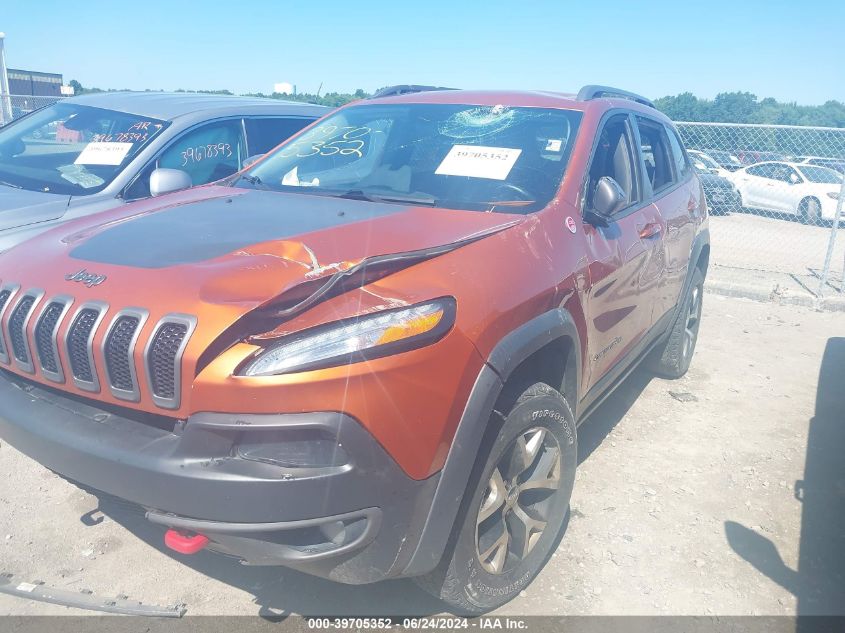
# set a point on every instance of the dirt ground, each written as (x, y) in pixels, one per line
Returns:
(727, 497)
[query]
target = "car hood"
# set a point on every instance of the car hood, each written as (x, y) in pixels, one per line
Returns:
(19, 207)
(218, 253)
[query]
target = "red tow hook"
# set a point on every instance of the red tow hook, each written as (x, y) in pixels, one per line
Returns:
(183, 542)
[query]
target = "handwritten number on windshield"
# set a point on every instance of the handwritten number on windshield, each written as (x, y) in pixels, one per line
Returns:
(328, 143)
(203, 152)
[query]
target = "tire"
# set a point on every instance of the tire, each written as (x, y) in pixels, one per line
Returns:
(496, 549)
(672, 359)
(810, 211)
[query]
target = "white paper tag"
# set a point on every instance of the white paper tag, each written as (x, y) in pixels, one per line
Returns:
(554, 145)
(99, 153)
(478, 161)
(27, 587)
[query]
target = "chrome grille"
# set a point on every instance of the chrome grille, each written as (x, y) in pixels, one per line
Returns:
(57, 328)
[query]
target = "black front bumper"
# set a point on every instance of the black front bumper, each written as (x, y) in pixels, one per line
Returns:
(352, 515)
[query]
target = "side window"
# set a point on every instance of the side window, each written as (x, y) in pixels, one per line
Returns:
(682, 165)
(208, 153)
(655, 150)
(263, 134)
(614, 158)
(761, 171)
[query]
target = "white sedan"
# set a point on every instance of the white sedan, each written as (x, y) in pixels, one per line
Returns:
(808, 191)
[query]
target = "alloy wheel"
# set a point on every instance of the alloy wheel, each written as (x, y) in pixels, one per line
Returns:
(692, 320)
(515, 508)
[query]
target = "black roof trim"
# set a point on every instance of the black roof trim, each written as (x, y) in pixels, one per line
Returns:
(588, 93)
(403, 89)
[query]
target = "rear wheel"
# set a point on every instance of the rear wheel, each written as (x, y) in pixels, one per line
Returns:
(809, 210)
(673, 358)
(515, 509)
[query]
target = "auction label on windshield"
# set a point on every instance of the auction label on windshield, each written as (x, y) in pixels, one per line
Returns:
(100, 153)
(478, 161)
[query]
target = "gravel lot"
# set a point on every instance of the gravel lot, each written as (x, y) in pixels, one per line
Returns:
(684, 504)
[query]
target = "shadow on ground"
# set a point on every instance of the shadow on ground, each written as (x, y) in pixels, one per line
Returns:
(819, 581)
(279, 591)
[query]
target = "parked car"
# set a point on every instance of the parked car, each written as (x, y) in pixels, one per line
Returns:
(722, 196)
(726, 160)
(751, 157)
(366, 356)
(837, 164)
(89, 153)
(807, 191)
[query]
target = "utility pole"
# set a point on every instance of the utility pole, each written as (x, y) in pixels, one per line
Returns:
(5, 100)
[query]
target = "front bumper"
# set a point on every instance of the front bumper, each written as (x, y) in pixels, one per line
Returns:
(353, 517)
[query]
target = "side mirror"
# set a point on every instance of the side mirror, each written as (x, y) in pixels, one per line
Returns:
(793, 179)
(249, 162)
(608, 197)
(164, 180)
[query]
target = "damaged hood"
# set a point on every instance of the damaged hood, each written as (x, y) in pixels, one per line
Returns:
(19, 207)
(231, 248)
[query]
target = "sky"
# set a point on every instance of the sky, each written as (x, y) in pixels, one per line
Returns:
(792, 51)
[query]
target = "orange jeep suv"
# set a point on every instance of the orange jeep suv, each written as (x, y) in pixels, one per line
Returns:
(366, 356)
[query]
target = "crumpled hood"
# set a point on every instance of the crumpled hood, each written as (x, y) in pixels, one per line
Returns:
(220, 252)
(19, 207)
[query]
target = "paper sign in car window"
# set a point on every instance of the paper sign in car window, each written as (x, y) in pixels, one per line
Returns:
(100, 153)
(478, 161)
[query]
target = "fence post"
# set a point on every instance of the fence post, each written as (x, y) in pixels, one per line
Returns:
(5, 100)
(832, 242)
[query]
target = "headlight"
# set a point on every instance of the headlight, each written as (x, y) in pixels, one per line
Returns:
(354, 340)
(833, 194)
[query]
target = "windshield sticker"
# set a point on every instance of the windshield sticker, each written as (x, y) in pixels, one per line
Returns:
(99, 153)
(77, 175)
(554, 145)
(477, 161)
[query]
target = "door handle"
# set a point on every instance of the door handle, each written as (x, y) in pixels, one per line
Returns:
(650, 230)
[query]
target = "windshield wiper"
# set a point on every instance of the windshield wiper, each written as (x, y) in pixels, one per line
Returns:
(410, 198)
(255, 181)
(10, 184)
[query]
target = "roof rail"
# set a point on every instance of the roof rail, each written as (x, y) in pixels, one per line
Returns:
(597, 92)
(392, 91)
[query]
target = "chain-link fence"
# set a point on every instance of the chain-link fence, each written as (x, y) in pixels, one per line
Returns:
(776, 193)
(14, 106)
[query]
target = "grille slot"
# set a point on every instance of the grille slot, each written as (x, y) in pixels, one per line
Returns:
(17, 323)
(118, 353)
(44, 342)
(163, 358)
(79, 339)
(4, 297)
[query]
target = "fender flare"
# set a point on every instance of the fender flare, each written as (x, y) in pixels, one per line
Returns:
(505, 357)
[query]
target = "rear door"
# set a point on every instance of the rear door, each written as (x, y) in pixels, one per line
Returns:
(264, 133)
(626, 256)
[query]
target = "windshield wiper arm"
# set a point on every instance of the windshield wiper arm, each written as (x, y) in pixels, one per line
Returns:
(10, 184)
(411, 198)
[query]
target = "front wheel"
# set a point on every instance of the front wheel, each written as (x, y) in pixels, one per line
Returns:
(810, 211)
(511, 521)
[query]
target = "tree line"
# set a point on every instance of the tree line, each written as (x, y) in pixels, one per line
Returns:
(726, 107)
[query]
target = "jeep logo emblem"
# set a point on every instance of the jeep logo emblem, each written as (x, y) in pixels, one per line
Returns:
(84, 277)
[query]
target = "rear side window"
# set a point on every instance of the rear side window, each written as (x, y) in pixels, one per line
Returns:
(763, 171)
(265, 133)
(679, 157)
(654, 146)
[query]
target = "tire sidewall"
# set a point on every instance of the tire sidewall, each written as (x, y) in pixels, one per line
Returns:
(481, 588)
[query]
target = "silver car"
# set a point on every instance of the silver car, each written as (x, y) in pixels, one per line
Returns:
(90, 153)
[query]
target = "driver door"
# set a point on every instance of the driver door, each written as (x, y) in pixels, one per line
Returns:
(626, 256)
